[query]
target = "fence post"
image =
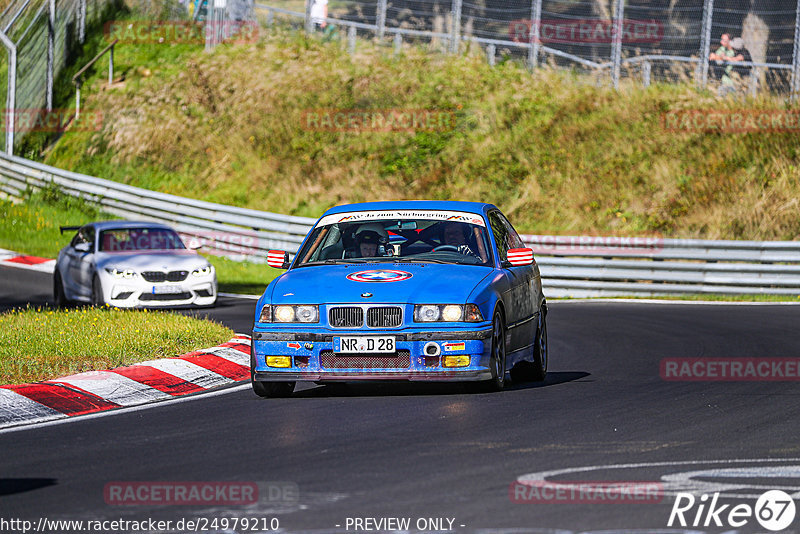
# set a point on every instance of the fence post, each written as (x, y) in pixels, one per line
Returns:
(796, 57)
(705, 41)
(455, 31)
(535, 44)
(308, 24)
(398, 43)
(351, 39)
(51, 51)
(210, 23)
(616, 49)
(77, 99)
(491, 52)
(82, 21)
(753, 81)
(646, 73)
(11, 92)
(270, 16)
(381, 18)
(111, 65)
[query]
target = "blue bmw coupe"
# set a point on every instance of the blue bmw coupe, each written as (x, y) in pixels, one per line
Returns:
(402, 290)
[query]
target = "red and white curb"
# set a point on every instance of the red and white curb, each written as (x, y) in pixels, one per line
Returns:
(141, 383)
(10, 258)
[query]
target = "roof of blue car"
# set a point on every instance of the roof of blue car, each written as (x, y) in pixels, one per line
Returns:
(449, 205)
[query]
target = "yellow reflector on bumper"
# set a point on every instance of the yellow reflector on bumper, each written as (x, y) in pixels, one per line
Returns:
(279, 361)
(456, 361)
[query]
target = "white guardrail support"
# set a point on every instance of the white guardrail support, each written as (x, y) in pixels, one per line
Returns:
(571, 266)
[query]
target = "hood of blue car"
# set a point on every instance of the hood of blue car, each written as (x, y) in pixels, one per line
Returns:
(384, 282)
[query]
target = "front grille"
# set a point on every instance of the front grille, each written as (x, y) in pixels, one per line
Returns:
(160, 276)
(384, 316)
(346, 317)
(166, 296)
(329, 360)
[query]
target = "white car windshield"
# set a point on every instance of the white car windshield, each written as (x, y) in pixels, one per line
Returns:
(127, 239)
(426, 236)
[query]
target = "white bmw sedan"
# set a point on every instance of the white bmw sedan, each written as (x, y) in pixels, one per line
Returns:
(131, 264)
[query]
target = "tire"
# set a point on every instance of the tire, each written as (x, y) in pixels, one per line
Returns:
(535, 371)
(497, 360)
(268, 389)
(59, 296)
(98, 301)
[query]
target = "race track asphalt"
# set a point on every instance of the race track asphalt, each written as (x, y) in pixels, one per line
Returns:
(437, 451)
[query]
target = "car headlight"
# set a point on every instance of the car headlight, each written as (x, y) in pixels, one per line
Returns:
(121, 273)
(202, 271)
(285, 313)
(451, 313)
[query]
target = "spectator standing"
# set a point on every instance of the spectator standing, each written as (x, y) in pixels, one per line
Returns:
(742, 54)
(722, 67)
(319, 12)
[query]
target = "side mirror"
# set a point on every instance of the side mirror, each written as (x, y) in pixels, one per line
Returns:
(83, 247)
(278, 259)
(519, 257)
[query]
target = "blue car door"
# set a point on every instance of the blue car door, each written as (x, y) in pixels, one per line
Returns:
(520, 307)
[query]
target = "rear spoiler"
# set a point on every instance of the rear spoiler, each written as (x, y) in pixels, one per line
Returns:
(69, 228)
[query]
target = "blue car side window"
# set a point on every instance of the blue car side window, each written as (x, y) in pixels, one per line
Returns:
(500, 235)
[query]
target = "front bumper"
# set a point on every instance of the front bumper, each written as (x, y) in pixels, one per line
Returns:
(137, 293)
(313, 359)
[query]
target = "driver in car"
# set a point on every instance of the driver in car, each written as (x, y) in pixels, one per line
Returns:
(455, 235)
(368, 238)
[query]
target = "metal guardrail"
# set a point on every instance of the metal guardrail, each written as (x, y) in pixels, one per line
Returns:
(581, 266)
(225, 230)
(571, 266)
(77, 79)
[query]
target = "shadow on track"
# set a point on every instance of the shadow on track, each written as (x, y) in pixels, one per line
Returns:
(10, 486)
(401, 388)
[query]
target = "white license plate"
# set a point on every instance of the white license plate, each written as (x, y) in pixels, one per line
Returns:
(167, 290)
(364, 344)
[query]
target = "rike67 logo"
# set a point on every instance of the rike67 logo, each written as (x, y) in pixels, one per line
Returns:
(774, 510)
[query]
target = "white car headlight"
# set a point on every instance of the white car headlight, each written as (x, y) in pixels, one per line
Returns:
(202, 271)
(121, 273)
(289, 314)
(451, 313)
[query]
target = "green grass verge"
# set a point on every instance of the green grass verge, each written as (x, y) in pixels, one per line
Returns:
(31, 227)
(242, 276)
(39, 344)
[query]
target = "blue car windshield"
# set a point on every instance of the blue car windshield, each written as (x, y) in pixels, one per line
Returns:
(434, 237)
